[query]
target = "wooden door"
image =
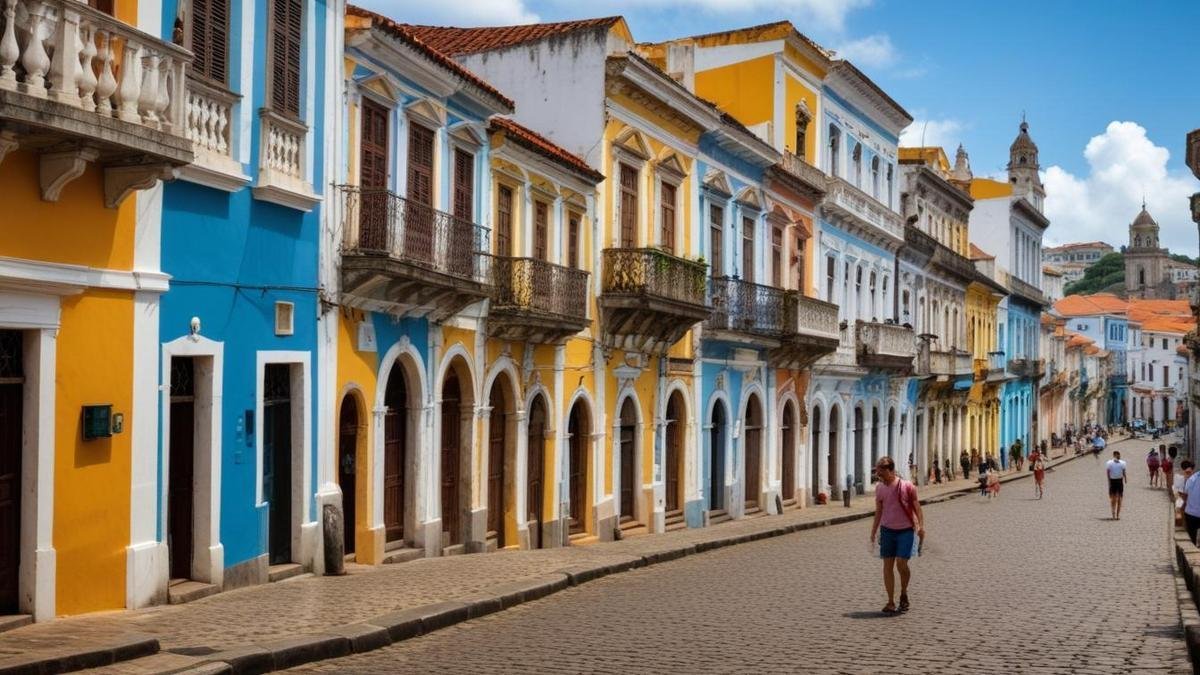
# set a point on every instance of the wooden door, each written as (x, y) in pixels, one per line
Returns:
(716, 483)
(348, 468)
(451, 432)
(788, 448)
(534, 465)
(11, 426)
(277, 460)
(180, 499)
(419, 217)
(753, 450)
(461, 247)
(578, 430)
(395, 446)
(671, 465)
(373, 177)
(627, 439)
(496, 443)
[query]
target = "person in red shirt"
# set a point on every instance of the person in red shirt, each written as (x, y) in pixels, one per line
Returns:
(900, 525)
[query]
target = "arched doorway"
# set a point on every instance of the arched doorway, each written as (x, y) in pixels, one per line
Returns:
(627, 437)
(814, 454)
(579, 432)
(499, 442)
(833, 457)
(673, 460)
(456, 439)
(535, 466)
(716, 445)
(752, 448)
(395, 452)
(787, 447)
(347, 468)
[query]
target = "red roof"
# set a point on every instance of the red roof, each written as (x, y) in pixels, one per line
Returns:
(404, 33)
(980, 254)
(534, 141)
(456, 41)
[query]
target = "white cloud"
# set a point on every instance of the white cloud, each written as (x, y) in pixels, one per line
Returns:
(456, 12)
(1123, 166)
(945, 133)
(872, 51)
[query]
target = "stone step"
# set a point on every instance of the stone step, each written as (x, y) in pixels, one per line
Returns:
(284, 571)
(718, 516)
(187, 590)
(402, 555)
(11, 621)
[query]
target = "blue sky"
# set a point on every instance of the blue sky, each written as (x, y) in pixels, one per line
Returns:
(967, 70)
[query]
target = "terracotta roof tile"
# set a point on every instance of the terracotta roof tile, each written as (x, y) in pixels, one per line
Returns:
(455, 41)
(1086, 305)
(405, 34)
(980, 254)
(534, 141)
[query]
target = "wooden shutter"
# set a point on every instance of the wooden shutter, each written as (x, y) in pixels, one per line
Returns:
(464, 185)
(629, 200)
(541, 227)
(420, 164)
(374, 146)
(716, 242)
(210, 39)
(105, 6)
(666, 198)
(504, 204)
(573, 241)
(777, 257)
(748, 249)
(287, 21)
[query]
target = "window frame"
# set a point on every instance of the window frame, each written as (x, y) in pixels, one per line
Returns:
(272, 30)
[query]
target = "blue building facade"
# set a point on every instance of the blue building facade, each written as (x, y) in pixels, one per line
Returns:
(238, 445)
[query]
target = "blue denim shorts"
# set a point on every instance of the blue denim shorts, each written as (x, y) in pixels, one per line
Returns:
(897, 543)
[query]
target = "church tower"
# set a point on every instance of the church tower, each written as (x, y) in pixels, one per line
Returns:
(1023, 168)
(1145, 263)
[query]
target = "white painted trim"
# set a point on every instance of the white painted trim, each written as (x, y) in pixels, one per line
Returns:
(37, 574)
(406, 355)
(206, 495)
(301, 395)
(245, 107)
(144, 559)
(66, 279)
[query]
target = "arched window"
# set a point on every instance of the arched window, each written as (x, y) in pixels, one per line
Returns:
(803, 117)
(889, 185)
(835, 145)
(858, 165)
(875, 177)
(874, 311)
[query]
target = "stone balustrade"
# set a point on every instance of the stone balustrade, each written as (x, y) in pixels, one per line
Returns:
(849, 200)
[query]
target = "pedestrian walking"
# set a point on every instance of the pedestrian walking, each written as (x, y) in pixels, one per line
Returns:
(900, 526)
(1186, 468)
(1191, 502)
(1098, 445)
(1153, 465)
(1168, 469)
(965, 462)
(1115, 469)
(1038, 463)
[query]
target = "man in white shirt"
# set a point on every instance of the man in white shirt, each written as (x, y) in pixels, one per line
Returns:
(1191, 501)
(1117, 475)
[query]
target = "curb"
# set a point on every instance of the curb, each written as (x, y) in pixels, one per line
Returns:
(1185, 564)
(123, 648)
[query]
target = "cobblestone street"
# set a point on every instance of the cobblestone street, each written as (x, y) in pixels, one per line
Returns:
(1015, 585)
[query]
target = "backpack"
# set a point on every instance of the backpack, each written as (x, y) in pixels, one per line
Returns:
(906, 493)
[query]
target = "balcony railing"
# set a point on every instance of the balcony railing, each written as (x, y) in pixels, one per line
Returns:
(1026, 290)
(885, 345)
(67, 52)
(746, 307)
(208, 124)
(536, 301)
(800, 168)
(1025, 367)
(649, 271)
(381, 223)
(845, 198)
(809, 316)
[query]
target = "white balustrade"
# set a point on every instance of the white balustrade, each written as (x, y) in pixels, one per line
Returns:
(818, 317)
(67, 52)
(283, 147)
(844, 197)
(887, 339)
(207, 118)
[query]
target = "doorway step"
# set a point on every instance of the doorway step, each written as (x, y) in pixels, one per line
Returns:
(718, 516)
(11, 621)
(284, 571)
(180, 591)
(402, 555)
(674, 521)
(632, 528)
(753, 512)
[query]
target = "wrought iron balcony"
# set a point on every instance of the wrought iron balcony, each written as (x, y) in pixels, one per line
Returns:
(409, 259)
(746, 308)
(885, 345)
(80, 87)
(650, 298)
(536, 301)
(810, 332)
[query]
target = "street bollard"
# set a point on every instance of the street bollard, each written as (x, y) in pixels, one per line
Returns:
(846, 492)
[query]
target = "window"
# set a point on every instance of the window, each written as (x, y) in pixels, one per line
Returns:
(875, 177)
(420, 165)
(874, 313)
(105, 6)
(1164, 343)
(573, 241)
(716, 243)
(629, 200)
(504, 205)
(858, 165)
(889, 185)
(464, 184)
(666, 207)
(1166, 376)
(541, 230)
(209, 39)
(802, 119)
(287, 20)
(748, 248)
(799, 266)
(835, 142)
(830, 277)
(777, 257)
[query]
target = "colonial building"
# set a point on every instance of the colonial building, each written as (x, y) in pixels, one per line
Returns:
(1146, 263)
(1074, 259)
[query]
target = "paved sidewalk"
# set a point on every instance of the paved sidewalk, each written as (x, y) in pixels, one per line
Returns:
(309, 618)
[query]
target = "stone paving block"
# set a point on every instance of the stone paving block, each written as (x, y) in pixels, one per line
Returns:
(305, 649)
(481, 604)
(584, 572)
(246, 660)
(363, 637)
(672, 553)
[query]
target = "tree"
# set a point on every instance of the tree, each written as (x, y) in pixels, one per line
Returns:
(1106, 272)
